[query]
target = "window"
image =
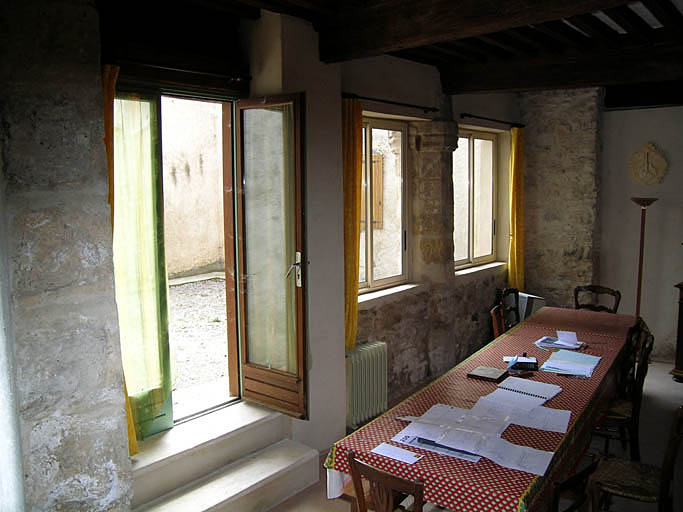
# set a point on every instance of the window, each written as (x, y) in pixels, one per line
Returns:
(474, 198)
(233, 253)
(383, 228)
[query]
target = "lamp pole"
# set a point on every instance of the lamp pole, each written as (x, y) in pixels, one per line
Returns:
(643, 202)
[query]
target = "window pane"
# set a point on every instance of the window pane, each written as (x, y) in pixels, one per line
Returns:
(362, 251)
(483, 197)
(268, 184)
(386, 204)
(461, 200)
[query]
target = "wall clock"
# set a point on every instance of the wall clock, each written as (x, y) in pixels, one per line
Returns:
(648, 165)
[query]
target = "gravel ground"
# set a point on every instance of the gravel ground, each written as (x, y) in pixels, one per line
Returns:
(197, 336)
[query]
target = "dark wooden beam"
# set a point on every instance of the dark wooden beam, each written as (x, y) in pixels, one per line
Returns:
(581, 69)
(667, 13)
(629, 21)
(595, 28)
(385, 27)
(506, 44)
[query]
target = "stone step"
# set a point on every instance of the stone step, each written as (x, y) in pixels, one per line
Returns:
(254, 483)
(192, 450)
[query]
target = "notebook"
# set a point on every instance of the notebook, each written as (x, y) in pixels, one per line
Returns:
(530, 388)
(488, 373)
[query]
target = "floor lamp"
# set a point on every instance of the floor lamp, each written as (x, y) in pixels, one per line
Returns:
(643, 202)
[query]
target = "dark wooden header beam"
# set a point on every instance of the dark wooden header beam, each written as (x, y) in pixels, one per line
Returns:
(604, 67)
(384, 27)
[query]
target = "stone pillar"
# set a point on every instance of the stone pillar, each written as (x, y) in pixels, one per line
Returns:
(68, 362)
(431, 147)
(561, 192)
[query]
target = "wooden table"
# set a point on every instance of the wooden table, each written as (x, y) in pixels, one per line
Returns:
(485, 486)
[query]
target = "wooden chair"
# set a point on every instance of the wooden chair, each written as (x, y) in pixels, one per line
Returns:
(498, 320)
(383, 489)
(573, 489)
(623, 415)
(637, 481)
(596, 290)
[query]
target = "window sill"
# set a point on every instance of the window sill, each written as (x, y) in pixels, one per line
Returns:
(372, 299)
(479, 271)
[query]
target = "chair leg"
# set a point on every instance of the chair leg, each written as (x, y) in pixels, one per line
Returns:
(634, 439)
(623, 438)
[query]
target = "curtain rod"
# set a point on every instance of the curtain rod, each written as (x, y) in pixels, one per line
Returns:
(409, 105)
(512, 124)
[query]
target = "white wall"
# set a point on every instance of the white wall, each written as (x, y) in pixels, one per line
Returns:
(303, 71)
(394, 79)
(284, 59)
(623, 133)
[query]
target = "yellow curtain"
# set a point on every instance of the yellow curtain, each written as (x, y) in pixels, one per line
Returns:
(352, 148)
(109, 76)
(516, 251)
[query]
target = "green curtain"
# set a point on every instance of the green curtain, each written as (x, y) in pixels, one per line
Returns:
(139, 268)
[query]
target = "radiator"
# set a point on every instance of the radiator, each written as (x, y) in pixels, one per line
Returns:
(366, 382)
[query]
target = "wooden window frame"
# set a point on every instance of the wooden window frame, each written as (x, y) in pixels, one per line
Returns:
(471, 135)
(274, 388)
(372, 200)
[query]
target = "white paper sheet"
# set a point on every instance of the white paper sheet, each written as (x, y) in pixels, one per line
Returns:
(499, 451)
(530, 387)
(396, 453)
(514, 399)
(433, 447)
(542, 418)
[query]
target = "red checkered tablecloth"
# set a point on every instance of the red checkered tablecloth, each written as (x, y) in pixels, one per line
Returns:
(485, 486)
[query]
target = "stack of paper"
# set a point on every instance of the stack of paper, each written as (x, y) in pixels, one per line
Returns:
(564, 340)
(571, 363)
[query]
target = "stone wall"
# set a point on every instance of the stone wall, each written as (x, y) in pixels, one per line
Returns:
(432, 327)
(68, 364)
(561, 192)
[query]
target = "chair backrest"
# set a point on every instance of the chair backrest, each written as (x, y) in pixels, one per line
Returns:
(667, 474)
(383, 486)
(596, 290)
(510, 301)
(574, 489)
(626, 375)
(498, 319)
(641, 373)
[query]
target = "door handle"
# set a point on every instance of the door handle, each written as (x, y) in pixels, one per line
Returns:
(296, 266)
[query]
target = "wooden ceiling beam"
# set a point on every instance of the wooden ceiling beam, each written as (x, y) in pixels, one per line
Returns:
(595, 28)
(665, 12)
(501, 42)
(581, 69)
(629, 21)
(381, 28)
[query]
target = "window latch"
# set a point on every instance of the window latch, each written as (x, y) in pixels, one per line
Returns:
(296, 266)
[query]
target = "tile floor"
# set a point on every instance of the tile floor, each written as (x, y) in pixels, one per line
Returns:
(662, 395)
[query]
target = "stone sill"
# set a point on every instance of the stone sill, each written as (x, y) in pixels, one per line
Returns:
(479, 271)
(184, 437)
(372, 299)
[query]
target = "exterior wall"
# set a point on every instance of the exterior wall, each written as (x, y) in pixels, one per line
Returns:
(193, 186)
(622, 134)
(562, 185)
(68, 363)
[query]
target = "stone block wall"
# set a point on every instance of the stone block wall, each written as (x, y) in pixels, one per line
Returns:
(68, 363)
(432, 327)
(562, 225)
